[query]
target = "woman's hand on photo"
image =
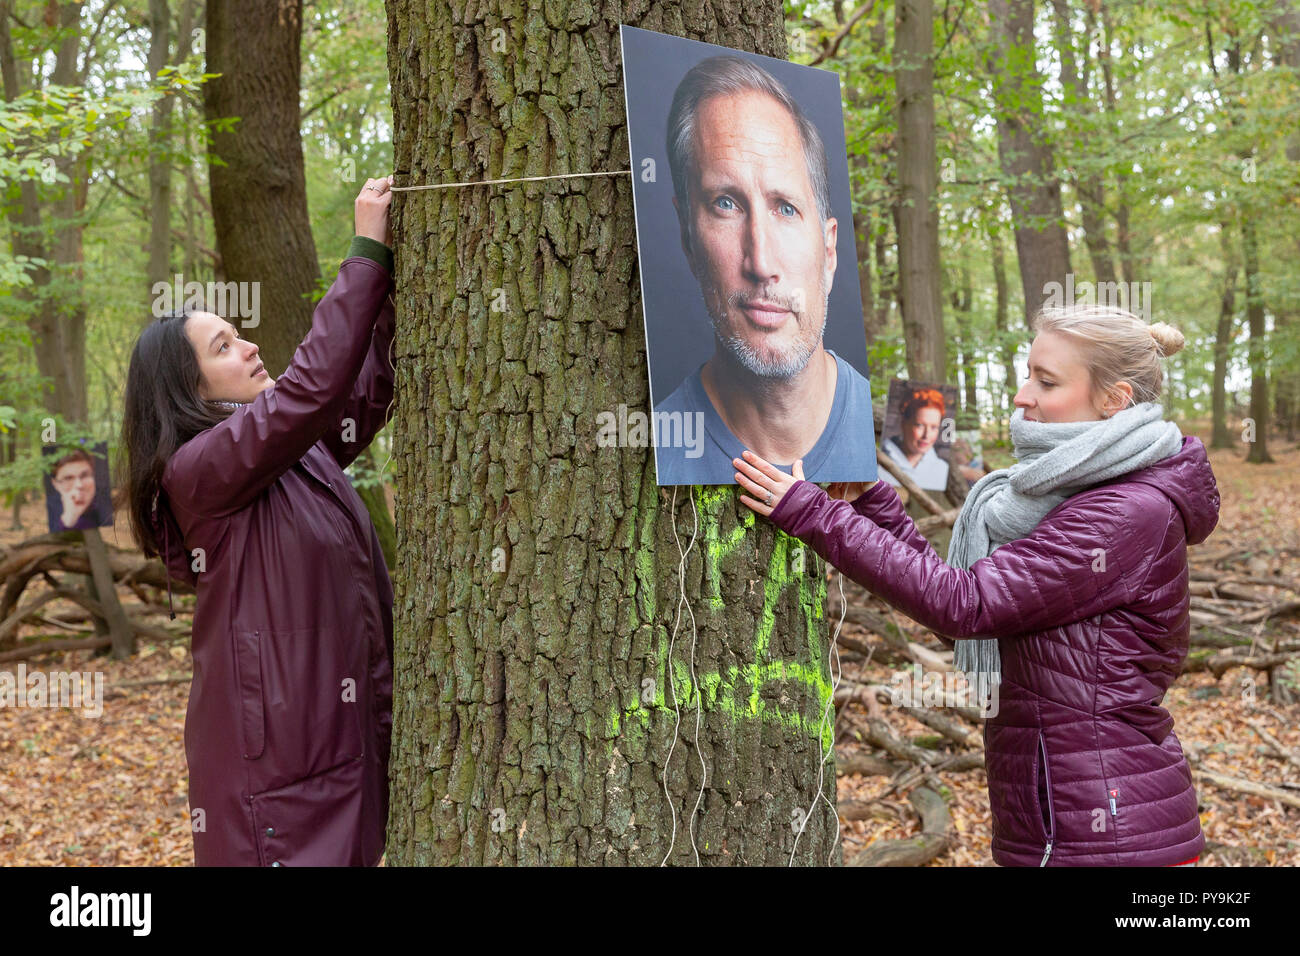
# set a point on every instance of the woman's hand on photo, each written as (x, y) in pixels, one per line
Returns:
(371, 210)
(848, 490)
(767, 483)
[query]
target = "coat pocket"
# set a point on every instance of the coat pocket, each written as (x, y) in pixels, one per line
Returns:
(248, 673)
(1043, 782)
(314, 687)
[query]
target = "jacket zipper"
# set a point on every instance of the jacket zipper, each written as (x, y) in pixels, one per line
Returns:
(1051, 811)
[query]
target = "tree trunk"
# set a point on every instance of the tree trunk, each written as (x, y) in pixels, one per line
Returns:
(1285, 34)
(918, 220)
(967, 352)
(536, 685)
(259, 189)
(1258, 452)
(1223, 336)
(160, 167)
(1089, 184)
(190, 239)
(1286, 379)
(1123, 235)
(1026, 155)
(1005, 338)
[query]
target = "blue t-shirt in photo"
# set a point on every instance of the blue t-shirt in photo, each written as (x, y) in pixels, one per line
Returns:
(845, 450)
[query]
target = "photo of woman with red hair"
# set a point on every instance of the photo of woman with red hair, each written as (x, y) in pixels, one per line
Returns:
(912, 446)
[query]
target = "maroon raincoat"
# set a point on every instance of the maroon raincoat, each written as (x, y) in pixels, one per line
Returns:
(290, 711)
(1084, 768)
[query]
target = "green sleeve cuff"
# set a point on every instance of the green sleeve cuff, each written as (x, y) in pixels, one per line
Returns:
(371, 249)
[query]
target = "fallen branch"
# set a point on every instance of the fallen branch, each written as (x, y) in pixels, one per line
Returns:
(920, 849)
(912, 487)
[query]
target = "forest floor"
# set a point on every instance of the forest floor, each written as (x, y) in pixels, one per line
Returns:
(110, 790)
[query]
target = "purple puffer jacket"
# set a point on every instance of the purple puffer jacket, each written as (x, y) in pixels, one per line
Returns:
(1090, 610)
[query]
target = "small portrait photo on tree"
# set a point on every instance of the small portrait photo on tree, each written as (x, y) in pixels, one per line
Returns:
(749, 281)
(77, 488)
(920, 431)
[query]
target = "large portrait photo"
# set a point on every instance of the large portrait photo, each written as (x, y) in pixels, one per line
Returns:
(753, 313)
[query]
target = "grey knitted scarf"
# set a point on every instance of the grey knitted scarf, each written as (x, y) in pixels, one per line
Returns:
(1054, 461)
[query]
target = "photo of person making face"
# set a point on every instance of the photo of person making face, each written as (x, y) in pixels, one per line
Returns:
(77, 488)
(740, 186)
(918, 432)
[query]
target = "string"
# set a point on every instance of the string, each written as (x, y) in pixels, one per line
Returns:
(495, 182)
(681, 581)
(833, 664)
(699, 704)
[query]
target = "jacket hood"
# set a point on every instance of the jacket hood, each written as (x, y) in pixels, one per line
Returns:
(1188, 481)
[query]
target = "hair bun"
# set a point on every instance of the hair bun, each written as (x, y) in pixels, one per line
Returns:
(1168, 339)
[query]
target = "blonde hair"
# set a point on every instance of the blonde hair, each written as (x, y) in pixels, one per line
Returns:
(1116, 346)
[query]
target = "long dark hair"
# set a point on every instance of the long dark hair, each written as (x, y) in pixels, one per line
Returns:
(163, 411)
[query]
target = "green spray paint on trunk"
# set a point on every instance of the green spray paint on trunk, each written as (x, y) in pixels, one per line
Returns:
(737, 690)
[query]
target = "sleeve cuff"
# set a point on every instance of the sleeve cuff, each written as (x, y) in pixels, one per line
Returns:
(787, 510)
(875, 496)
(371, 249)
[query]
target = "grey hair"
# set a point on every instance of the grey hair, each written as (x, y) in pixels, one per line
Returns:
(728, 76)
(1116, 346)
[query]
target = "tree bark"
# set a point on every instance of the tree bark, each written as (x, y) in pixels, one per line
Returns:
(537, 678)
(1025, 154)
(1223, 337)
(918, 219)
(160, 168)
(1123, 234)
(1258, 452)
(1286, 380)
(967, 351)
(1088, 185)
(257, 182)
(1000, 322)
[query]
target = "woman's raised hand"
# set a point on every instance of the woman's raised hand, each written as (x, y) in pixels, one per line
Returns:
(371, 210)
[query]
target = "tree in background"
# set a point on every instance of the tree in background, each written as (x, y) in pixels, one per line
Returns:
(918, 219)
(259, 190)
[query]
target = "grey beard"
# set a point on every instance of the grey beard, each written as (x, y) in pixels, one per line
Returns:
(754, 362)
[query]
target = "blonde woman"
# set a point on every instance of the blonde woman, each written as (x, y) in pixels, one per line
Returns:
(1066, 585)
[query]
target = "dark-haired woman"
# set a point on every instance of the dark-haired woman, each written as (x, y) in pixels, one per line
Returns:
(237, 480)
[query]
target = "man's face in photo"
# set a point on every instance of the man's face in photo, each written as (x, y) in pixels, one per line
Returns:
(76, 481)
(753, 235)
